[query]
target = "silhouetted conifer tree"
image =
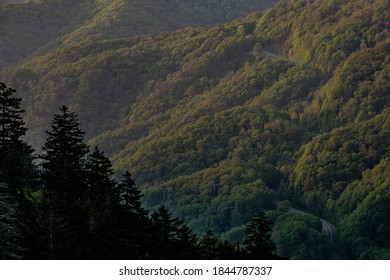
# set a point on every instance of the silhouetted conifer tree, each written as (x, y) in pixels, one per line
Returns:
(64, 152)
(18, 174)
(136, 227)
(186, 244)
(258, 244)
(16, 166)
(102, 203)
(207, 246)
(169, 235)
(211, 248)
(131, 196)
(101, 184)
(65, 181)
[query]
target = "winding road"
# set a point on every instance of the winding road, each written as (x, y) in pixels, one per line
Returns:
(327, 228)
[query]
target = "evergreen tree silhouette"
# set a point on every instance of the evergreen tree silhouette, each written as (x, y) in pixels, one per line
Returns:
(16, 166)
(207, 246)
(64, 152)
(211, 248)
(18, 174)
(102, 202)
(258, 244)
(167, 235)
(131, 196)
(136, 227)
(64, 180)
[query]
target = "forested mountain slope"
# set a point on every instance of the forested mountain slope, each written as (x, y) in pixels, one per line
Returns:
(35, 27)
(215, 129)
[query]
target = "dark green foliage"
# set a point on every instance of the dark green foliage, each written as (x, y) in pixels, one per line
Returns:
(365, 227)
(298, 236)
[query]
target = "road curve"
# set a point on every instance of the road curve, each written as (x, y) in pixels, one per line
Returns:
(327, 228)
(272, 55)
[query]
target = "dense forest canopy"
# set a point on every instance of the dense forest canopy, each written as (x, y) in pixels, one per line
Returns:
(219, 123)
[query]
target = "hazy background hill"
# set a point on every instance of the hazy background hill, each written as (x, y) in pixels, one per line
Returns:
(11, 1)
(35, 27)
(217, 129)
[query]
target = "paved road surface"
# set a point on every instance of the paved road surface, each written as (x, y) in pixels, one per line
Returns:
(327, 228)
(272, 55)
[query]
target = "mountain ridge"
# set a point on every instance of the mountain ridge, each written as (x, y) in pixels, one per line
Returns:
(46, 25)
